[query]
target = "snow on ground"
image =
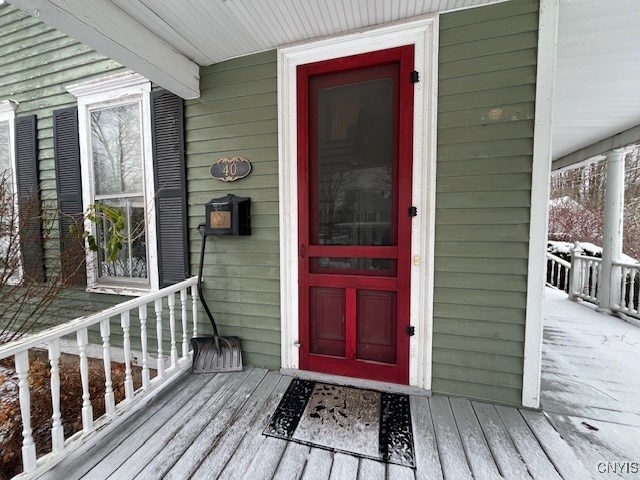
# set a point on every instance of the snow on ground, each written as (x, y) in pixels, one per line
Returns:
(591, 382)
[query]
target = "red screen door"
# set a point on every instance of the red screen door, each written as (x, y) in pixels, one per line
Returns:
(355, 124)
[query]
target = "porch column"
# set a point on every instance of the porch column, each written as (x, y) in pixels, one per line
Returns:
(609, 288)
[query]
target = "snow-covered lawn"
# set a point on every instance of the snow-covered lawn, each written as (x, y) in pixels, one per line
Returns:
(591, 382)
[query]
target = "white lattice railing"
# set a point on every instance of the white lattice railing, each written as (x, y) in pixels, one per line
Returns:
(628, 299)
(178, 357)
(558, 272)
(585, 277)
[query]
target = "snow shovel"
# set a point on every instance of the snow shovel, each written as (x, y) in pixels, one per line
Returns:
(213, 354)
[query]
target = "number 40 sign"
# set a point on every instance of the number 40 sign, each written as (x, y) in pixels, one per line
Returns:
(230, 169)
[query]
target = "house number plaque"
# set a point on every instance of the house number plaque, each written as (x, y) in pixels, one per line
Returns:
(230, 169)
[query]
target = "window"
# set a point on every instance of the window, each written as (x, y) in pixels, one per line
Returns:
(9, 247)
(114, 122)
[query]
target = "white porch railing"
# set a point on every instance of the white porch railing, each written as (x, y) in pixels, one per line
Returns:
(585, 277)
(558, 272)
(179, 357)
(628, 300)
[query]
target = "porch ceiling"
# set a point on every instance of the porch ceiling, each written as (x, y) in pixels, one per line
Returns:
(598, 66)
(597, 92)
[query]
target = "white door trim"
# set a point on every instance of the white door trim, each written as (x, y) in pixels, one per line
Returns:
(423, 34)
(540, 174)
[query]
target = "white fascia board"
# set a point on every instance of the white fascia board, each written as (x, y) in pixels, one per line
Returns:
(540, 177)
(110, 31)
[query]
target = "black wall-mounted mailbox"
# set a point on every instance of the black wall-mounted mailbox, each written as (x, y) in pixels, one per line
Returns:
(228, 215)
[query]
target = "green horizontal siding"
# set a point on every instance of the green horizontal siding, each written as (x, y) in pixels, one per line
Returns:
(37, 62)
(486, 101)
(236, 115)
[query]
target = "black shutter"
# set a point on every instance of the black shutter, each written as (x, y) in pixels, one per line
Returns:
(66, 150)
(167, 126)
(29, 207)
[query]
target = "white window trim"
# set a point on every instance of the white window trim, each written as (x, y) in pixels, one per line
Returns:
(8, 114)
(109, 91)
(423, 34)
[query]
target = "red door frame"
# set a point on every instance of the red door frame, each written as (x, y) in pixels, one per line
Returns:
(398, 373)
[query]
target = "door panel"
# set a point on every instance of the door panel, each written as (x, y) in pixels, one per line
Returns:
(355, 122)
(327, 321)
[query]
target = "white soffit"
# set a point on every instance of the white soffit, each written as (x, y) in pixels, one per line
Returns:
(597, 92)
(210, 31)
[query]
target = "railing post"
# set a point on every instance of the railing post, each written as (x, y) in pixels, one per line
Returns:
(574, 272)
(28, 446)
(57, 432)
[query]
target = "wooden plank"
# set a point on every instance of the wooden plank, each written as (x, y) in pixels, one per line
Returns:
(143, 445)
(487, 361)
(533, 455)
(499, 62)
(489, 29)
(318, 464)
(476, 375)
(558, 451)
(226, 442)
(477, 15)
(482, 281)
(265, 462)
(172, 441)
(292, 462)
(141, 426)
(344, 467)
(473, 440)
(504, 452)
(258, 456)
(488, 392)
(371, 470)
(483, 183)
(483, 199)
(452, 456)
(424, 440)
(399, 472)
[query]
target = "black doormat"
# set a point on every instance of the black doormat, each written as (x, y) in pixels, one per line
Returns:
(360, 422)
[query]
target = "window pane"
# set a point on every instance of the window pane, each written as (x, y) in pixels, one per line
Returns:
(9, 251)
(117, 149)
(131, 261)
(355, 163)
(5, 158)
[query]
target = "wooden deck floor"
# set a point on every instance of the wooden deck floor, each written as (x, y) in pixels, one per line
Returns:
(210, 426)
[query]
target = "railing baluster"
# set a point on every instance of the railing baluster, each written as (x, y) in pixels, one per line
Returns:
(142, 315)
(109, 399)
(128, 379)
(194, 307)
(57, 432)
(87, 408)
(171, 300)
(624, 271)
(632, 293)
(158, 308)
(183, 312)
(28, 446)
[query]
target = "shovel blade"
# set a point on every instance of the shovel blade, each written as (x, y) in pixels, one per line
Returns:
(216, 354)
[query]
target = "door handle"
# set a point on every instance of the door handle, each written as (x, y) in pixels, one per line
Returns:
(302, 251)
